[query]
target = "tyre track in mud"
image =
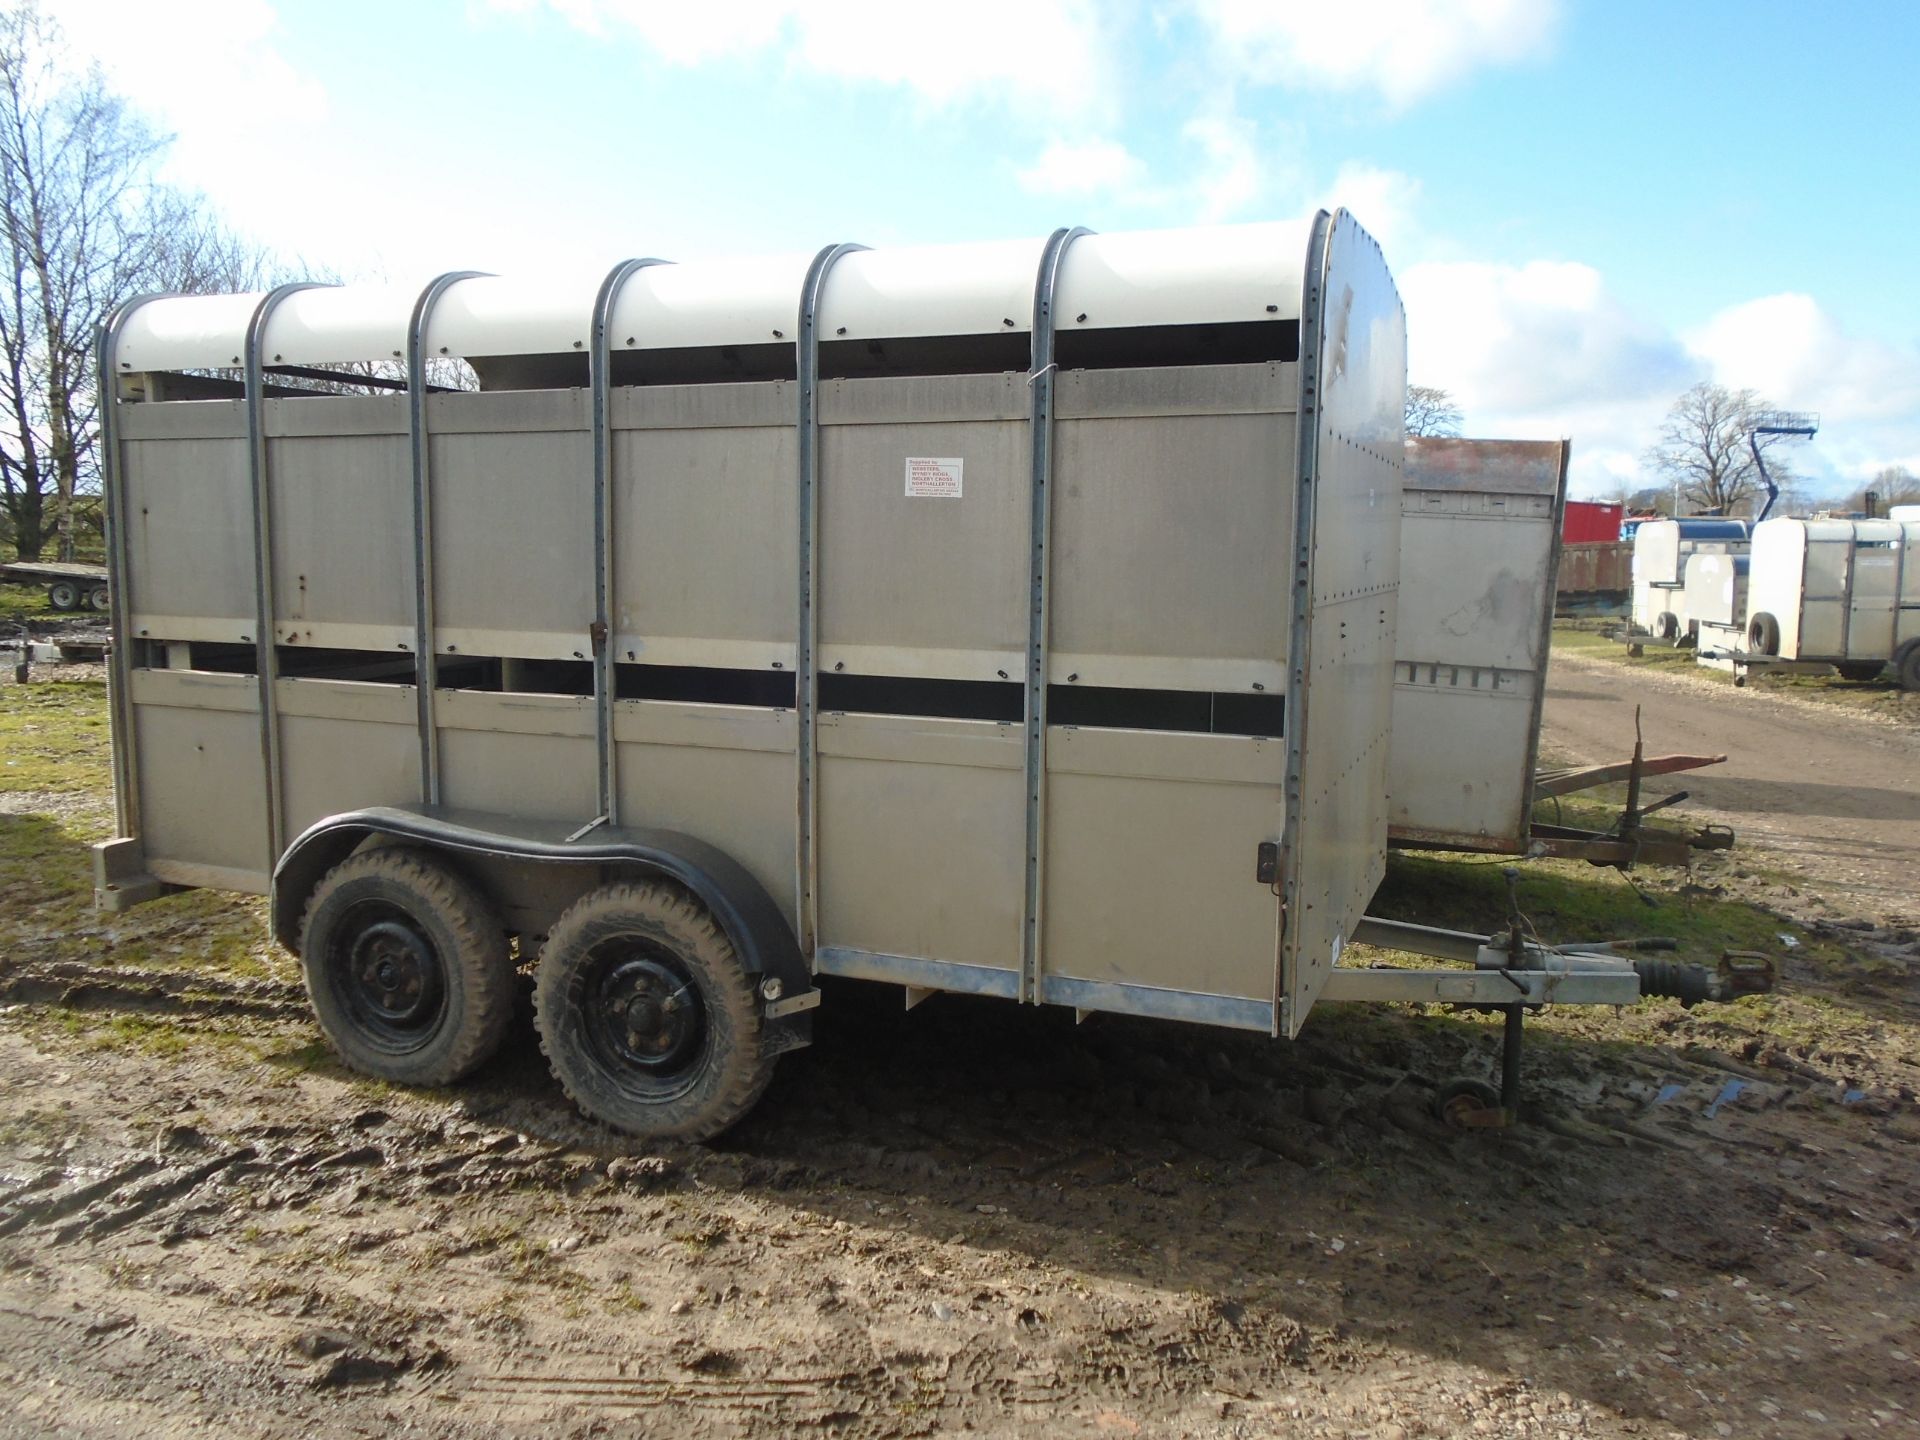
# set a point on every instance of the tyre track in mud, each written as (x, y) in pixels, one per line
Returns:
(1146, 1221)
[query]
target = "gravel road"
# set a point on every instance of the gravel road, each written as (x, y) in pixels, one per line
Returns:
(1839, 793)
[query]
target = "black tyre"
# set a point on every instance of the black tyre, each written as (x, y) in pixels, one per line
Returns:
(1906, 665)
(1763, 634)
(647, 1016)
(1666, 625)
(407, 967)
(63, 595)
(97, 597)
(1860, 671)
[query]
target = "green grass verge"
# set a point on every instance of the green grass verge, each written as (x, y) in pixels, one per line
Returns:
(1592, 640)
(23, 602)
(56, 799)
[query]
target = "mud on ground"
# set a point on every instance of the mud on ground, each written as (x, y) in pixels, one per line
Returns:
(967, 1217)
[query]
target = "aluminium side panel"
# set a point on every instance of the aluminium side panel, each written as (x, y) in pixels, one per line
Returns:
(1906, 620)
(340, 480)
(923, 567)
(1873, 597)
(1173, 516)
(1173, 495)
(200, 781)
(1480, 530)
(704, 551)
(1350, 548)
(183, 468)
(924, 507)
(512, 475)
(345, 745)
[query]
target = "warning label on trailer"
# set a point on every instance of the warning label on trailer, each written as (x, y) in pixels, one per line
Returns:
(929, 479)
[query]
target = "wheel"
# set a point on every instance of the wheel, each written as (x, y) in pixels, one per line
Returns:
(97, 597)
(647, 1016)
(1666, 625)
(407, 967)
(63, 595)
(1763, 634)
(1464, 1104)
(1860, 671)
(1906, 665)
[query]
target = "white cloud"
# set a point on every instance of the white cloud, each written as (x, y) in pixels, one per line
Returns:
(214, 77)
(1383, 201)
(1048, 56)
(1230, 176)
(1867, 392)
(1545, 349)
(1402, 50)
(1086, 168)
(1793, 352)
(1525, 339)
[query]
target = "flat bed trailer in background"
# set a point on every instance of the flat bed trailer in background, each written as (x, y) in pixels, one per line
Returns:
(68, 586)
(1014, 620)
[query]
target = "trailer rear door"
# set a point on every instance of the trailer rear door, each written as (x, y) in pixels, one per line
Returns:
(1346, 573)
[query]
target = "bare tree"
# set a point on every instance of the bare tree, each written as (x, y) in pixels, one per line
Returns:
(1431, 411)
(1890, 485)
(84, 225)
(1704, 448)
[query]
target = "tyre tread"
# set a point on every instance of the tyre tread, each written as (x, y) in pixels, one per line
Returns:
(745, 1070)
(477, 936)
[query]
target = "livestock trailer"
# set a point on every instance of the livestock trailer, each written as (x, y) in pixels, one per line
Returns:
(1009, 619)
(1844, 593)
(1480, 548)
(1661, 549)
(1480, 521)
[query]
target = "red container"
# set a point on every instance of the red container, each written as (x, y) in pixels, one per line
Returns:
(1590, 521)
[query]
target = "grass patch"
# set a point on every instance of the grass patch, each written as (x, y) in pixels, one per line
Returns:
(54, 737)
(24, 602)
(57, 760)
(1828, 998)
(1593, 640)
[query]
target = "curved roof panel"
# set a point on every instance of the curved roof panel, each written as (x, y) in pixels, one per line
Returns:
(1161, 277)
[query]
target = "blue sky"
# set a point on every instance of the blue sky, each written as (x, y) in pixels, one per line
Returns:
(1590, 206)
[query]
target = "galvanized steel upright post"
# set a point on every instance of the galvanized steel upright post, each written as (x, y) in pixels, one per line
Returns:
(599, 381)
(266, 666)
(805, 680)
(1299, 645)
(420, 446)
(1040, 383)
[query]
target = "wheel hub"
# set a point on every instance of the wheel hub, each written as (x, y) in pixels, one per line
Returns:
(647, 1013)
(395, 976)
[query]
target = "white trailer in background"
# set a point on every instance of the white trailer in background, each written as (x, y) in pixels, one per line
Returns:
(1716, 600)
(1661, 549)
(1844, 593)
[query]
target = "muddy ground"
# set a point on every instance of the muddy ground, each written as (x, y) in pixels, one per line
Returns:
(973, 1217)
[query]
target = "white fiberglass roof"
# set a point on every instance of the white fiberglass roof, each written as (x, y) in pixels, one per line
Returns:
(1161, 277)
